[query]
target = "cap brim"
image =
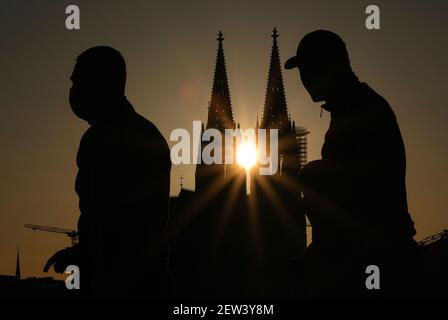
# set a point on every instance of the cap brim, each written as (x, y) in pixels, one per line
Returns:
(291, 63)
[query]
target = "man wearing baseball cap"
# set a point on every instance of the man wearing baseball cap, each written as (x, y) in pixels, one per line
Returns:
(356, 194)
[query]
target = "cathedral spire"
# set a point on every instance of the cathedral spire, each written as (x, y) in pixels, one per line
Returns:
(275, 112)
(220, 114)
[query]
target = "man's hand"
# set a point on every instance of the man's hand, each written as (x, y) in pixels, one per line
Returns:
(63, 258)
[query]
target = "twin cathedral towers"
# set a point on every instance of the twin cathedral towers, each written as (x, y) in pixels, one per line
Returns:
(292, 140)
(225, 242)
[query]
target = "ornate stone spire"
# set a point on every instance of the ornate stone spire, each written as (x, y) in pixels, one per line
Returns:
(220, 115)
(275, 112)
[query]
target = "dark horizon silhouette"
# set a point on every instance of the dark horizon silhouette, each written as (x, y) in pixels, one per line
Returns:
(227, 244)
(375, 190)
(169, 60)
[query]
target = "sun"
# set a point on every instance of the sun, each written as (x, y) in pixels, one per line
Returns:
(246, 155)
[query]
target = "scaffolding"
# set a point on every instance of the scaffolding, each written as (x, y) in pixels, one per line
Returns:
(302, 141)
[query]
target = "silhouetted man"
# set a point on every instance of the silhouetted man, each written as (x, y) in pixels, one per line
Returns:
(356, 195)
(122, 184)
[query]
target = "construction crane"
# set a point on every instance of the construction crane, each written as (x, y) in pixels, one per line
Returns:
(72, 234)
(434, 238)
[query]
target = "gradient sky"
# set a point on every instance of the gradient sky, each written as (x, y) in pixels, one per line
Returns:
(170, 50)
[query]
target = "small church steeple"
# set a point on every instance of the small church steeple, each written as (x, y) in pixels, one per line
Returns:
(18, 265)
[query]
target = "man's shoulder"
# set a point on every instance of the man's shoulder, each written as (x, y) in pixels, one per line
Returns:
(131, 124)
(146, 125)
(375, 104)
(148, 130)
(132, 132)
(145, 139)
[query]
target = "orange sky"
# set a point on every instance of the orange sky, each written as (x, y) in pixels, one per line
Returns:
(170, 51)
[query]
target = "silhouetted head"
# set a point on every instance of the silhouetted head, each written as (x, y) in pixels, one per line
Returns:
(99, 80)
(323, 63)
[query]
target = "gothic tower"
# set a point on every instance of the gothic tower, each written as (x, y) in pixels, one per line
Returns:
(275, 114)
(220, 117)
(278, 195)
